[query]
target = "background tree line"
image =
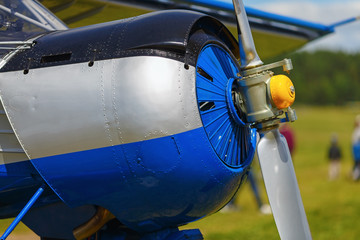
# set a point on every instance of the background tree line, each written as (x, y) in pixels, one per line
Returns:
(326, 78)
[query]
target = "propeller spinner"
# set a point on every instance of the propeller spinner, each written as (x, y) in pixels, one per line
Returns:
(266, 99)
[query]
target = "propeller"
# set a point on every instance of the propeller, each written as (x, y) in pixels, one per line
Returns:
(281, 186)
(266, 101)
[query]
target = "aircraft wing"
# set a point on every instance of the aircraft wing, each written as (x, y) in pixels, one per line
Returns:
(273, 34)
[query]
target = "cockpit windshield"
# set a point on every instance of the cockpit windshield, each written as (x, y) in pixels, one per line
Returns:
(21, 20)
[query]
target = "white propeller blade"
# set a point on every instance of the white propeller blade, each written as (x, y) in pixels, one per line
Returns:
(281, 186)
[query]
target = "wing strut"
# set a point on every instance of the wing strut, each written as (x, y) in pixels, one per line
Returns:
(344, 22)
(22, 213)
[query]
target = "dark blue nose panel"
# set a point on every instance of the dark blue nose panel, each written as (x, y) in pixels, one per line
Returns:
(233, 140)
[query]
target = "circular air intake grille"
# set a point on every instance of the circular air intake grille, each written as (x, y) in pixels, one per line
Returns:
(233, 141)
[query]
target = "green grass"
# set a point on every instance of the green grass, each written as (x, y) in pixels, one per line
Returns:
(332, 207)
(109, 11)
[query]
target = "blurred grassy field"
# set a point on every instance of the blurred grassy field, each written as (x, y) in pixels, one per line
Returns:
(332, 207)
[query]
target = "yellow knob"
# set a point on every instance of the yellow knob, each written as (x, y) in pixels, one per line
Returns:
(282, 91)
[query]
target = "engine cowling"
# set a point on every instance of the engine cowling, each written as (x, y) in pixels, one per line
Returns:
(135, 116)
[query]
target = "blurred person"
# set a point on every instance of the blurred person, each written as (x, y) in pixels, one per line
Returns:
(289, 135)
(356, 148)
(334, 156)
(263, 207)
(251, 178)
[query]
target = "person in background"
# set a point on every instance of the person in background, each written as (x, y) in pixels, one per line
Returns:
(263, 207)
(356, 149)
(334, 156)
(289, 135)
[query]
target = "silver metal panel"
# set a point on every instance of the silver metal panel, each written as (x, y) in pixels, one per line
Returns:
(4, 123)
(71, 108)
(156, 99)
(7, 158)
(10, 149)
(9, 143)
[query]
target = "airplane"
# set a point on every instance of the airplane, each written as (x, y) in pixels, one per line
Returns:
(129, 129)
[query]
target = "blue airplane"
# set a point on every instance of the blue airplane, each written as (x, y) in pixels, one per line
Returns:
(129, 129)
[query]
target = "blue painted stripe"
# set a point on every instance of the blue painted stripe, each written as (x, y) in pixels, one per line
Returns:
(147, 185)
(17, 175)
(18, 181)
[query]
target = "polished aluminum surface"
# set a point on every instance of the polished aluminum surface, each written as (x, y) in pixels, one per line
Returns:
(248, 54)
(257, 105)
(10, 149)
(71, 108)
(286, 64)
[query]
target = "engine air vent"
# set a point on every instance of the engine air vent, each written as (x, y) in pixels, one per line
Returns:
(233, 140)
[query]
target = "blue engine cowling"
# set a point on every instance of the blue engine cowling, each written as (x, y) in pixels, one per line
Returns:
(135, 116)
